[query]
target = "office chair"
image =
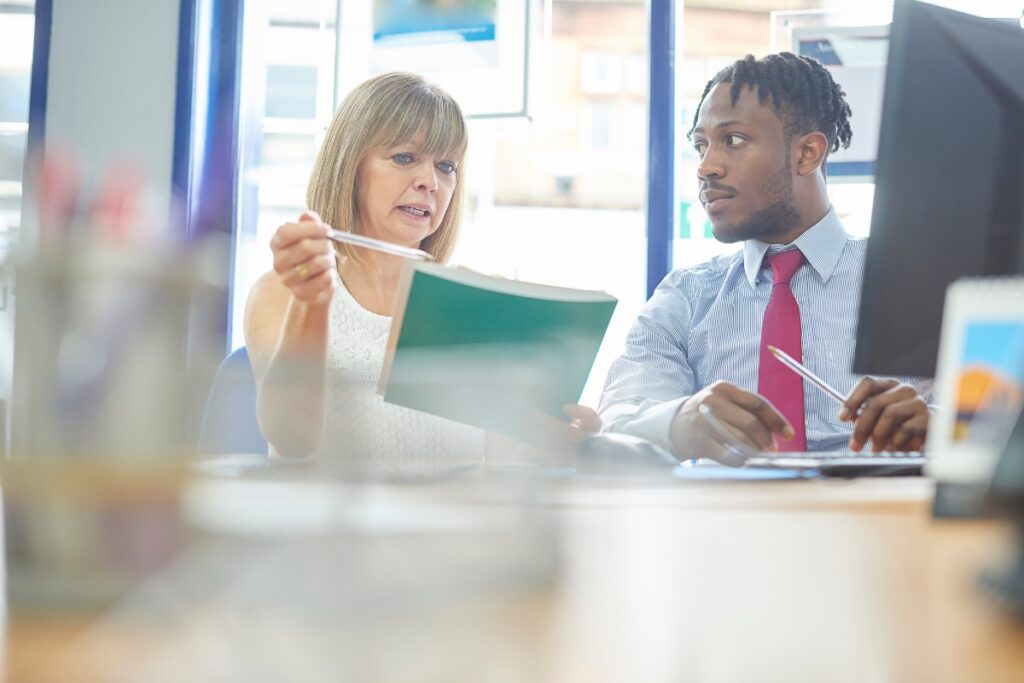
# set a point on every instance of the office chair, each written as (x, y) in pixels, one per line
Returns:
(229, 422)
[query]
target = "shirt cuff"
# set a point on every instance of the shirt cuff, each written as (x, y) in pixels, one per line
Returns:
(653, 423)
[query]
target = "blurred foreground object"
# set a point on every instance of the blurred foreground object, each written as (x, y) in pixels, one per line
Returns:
(106, 361)
(112, 342)
(289, 575)
(80, 533)
(1005, 497)
(596, 579)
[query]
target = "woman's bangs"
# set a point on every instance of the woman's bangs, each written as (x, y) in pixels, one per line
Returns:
(442, 127)
(445, 133)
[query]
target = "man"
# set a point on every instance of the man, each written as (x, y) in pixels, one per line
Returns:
(763, 131)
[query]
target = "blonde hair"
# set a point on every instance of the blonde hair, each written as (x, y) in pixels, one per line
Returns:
(382, 112)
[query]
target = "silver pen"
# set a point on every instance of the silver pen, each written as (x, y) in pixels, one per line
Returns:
(799, 369)
(379, 245)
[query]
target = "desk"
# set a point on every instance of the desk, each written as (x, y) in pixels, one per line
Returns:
(789, 581)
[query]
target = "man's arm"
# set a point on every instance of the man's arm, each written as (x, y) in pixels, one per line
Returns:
(654, 392)
(649, 381)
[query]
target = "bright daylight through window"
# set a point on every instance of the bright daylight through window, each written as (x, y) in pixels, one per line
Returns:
(556, 196)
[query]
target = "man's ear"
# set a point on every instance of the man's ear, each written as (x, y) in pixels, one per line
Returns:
(810, 152)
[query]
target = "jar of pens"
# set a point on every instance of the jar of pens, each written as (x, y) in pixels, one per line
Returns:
(104, 392)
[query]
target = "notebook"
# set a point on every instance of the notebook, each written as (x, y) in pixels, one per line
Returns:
(488, 351)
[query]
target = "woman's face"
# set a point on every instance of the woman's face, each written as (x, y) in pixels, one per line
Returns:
(403, 194)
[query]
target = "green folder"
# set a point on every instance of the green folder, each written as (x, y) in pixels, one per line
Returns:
(487, 351)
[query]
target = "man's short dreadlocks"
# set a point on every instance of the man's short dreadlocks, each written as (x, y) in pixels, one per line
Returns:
(802, 92)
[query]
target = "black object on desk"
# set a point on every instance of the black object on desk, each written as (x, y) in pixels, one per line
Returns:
(1006, 498)
(846, 463)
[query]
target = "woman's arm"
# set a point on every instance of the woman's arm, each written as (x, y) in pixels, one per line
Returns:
(286, 332)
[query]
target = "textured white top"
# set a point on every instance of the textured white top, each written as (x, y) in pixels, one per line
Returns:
(364, 430)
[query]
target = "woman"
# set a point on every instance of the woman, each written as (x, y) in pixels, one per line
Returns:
(317, 326)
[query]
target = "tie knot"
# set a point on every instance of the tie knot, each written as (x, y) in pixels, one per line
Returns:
(784, 264)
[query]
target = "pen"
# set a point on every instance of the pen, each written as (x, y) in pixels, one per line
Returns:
(799, 369)
(379, 245)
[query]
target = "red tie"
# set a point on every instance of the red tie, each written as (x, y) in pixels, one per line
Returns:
(781, 328)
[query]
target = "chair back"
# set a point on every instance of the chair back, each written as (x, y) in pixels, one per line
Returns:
(229, 422)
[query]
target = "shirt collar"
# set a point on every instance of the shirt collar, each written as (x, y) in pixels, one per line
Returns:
(822, 244)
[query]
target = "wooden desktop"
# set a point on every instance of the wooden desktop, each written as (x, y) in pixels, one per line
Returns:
(653, 580)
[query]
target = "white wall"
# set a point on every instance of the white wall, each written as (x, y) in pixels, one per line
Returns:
(111, 88)
(110, 95)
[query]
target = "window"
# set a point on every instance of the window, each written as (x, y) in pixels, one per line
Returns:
(635, 74)
(596, 125)
(708, 49)
(17, 30)
(600, 72)
(17, 25)
(716, 34)
(291, 91)
(556, 198)
(288, 99)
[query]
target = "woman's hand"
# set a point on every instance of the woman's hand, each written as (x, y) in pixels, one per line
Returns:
(553, 434)
(584, 421)
(305, 259)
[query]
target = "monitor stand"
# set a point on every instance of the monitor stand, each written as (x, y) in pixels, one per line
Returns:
(1006, 584)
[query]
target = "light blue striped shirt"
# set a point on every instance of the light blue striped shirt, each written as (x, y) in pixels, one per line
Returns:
(703, 324)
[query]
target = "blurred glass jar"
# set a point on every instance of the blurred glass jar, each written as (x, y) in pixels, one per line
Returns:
(79, 534)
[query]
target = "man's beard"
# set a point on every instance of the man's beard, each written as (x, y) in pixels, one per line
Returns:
(771, 222)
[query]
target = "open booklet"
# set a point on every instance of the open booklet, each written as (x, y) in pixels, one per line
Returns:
(487, 351)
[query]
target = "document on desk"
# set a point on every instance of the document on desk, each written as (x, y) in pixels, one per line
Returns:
(487, 351)
(709, 472)
(685, 472)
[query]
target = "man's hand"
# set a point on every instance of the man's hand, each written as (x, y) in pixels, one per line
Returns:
(892, 415)
(749, 417)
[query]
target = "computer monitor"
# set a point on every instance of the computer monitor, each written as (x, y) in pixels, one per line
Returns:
(949, 182)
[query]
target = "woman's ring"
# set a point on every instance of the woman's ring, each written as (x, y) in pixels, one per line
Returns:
(303, 270)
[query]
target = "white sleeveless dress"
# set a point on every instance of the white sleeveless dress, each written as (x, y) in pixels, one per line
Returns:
(361, 428)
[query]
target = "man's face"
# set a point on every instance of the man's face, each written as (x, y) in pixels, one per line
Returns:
(746, 181)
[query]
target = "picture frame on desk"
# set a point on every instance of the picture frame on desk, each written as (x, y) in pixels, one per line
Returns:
(979, 378)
